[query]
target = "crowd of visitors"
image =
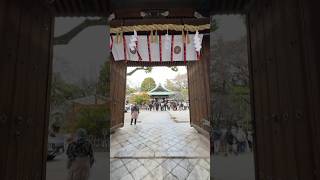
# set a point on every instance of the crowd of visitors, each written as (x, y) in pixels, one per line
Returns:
(233, 140)
(166, 105)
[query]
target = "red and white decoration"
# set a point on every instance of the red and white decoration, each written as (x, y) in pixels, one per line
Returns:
(156, 48)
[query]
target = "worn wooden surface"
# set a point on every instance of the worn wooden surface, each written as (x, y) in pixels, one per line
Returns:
(118, 71)
(230, 6)
(285, 88)
(25, 67)
(199, 95)
(79, 7)
(310, 46)
(131, 9)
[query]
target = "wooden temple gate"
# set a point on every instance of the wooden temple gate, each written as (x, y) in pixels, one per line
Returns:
(118, 80)
(198, 71)
(26, 29)
(285, 74)
(198, 86)
(285, 81)
(199, 94)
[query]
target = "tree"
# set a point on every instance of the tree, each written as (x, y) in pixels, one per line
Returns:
(181, 80)
(103, 81)
(185, 93)
(171, 85)
(180, 85)
(94, 120)
(88, 87)
(65, 38)
(148, 84)
(140, 99)
(231, 102)
(146, 69)
(130, 90)
(62, 91)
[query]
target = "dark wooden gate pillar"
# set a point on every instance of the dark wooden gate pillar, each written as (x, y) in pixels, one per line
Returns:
(285, 79)
(25, 66)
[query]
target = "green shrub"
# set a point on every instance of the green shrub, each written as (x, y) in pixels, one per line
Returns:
(93, 119)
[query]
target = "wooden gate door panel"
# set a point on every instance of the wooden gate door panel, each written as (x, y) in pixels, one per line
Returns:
(285, 138)
(199, 93)
(7, 72)
(26, 29)
(117, 93)
(311, 48)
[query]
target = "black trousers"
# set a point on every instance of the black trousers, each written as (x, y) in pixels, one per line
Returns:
(135, 121)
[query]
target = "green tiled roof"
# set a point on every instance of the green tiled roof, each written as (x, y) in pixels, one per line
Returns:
(160, 91)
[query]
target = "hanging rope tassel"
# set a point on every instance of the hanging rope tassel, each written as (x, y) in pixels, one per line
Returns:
(172, 47)
(187, 38)
(125, 48)
(120, 37)
(156, 37)
(111, 42)
(149, 52)
(160, 47)
(117, 38)
(183, 37)
(151, 38)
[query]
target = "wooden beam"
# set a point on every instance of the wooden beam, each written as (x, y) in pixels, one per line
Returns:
(70, 6)
(151, 64)
(104, 6)
(65, 5)
(81, 7)
(129, 13)
(75, 6)
(131, 22)
(58, 7)
(97, 6)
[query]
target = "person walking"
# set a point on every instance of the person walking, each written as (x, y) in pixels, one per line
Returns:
(168, 106)
(180, 106)
(134, 113)
(162, 106)
(80, 156)
(157, 106)
(150, 106)
(223, 141)
(184, 106)
(241, 138)
(250, 140)
(216, 139)
(235, 141)
(231, 141)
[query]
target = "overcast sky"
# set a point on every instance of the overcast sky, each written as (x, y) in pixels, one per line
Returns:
(159, 74)
(84, 55)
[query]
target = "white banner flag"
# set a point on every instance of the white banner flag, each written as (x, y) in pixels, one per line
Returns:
(172, 48)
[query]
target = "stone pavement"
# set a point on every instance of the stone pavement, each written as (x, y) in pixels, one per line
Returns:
(158, 148)
(180, 116)
(233, 167)
(57, 168)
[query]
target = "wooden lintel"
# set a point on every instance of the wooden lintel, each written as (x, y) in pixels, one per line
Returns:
(131, 22)
(129, 13)
(152, 64)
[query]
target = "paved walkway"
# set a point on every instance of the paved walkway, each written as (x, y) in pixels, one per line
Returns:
(56, 169)
(233, 167)
(180, 116)
(158, 148)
